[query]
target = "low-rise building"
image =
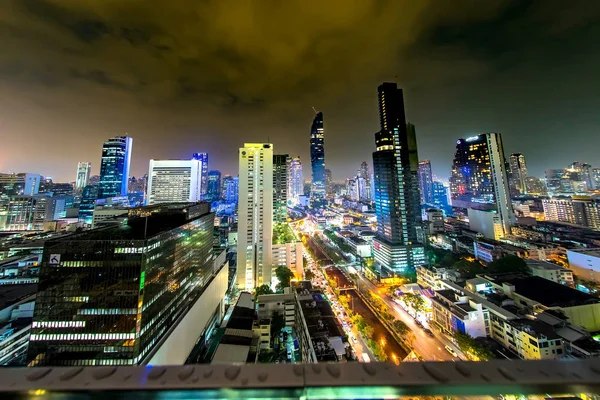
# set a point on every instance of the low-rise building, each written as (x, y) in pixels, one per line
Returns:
(281, 303)
(430, 277)
(551, 272)
(585, 263)
(455, 312)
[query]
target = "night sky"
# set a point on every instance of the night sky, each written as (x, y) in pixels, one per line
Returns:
(192, 76)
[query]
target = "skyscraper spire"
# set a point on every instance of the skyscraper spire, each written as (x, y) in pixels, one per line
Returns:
(317, 157)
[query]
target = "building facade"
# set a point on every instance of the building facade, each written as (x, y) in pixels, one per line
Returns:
(518, 174)
(397, 198)
(83, 175)
(174, 181)
(255, 215)
(111, 296)
(213, 188)
(425, 182)
(114, 167)
(295, 181)
(230, 189)
(317, 157)
(281, 164)
(203, 158)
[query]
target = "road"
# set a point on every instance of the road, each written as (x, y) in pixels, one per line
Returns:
(430, 348)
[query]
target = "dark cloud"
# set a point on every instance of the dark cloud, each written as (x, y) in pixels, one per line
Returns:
(184, 76)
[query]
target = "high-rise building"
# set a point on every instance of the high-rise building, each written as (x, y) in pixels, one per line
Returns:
(579, 210)
(440, 197)
(518, 174)
(328, 182)
(174, 181)
(127, 294)
(114, 168)
(213, 188)
(584, 173)
(559, 181)
(87, 204)
(83, 175)
(395, 165)
(281, 163)
(317, 157)
(535, 186)
(138, 184)
(295, 181)
(230, 189)
(596, 178)
(203, 158)
(255, 215)
(364, 173)
(425, 182)
(479, 178)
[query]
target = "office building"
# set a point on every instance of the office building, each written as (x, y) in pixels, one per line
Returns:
(425, 182)
(140, 293)
(203, 158)
(296, 181)
(281, 166)
(479, 179)
(138, 185)
(584, 173)
(83, 175)
(114, 167)
(579, 210)
(518, 174)
(328, 182)
(535, 186)
(364, 173)
(87, 204)
(585, 263)
(596, 178)
(174, 181)
(551, 272)
(230, 189)
(395, 165)
(213, 187)
(255, 215)
(317, 157)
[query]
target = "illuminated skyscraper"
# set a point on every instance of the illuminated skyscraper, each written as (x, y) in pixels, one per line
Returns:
(114, 168)
(295, 181)
(230, 189)
(281, 163)
(328, 182)
(317, 157)
(518, 174)
(174, 181)
(83, 175)
(363, 172)
(395, 164)
(87, 204)
(213, 185)
(255, 215)
(584, 173)
(479, 178)
(425, 182)
(203, 158)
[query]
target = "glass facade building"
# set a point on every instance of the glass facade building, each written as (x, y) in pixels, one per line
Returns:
(213, 190)
(114, 168)
(83, 175)
(281, 164)
(397, 198)
(87, 204)
(108, 296)
(425, 182)
(317, 156)
(203, 158)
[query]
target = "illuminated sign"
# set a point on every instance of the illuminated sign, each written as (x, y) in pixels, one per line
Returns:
(471, 139)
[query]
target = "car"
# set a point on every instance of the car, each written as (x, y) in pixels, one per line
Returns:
(428, 332)
(450, 350)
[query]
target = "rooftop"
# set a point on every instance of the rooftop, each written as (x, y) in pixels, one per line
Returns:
(543, 291)
(535, 328)
(537, 264)
(590, 252)
(11, 294)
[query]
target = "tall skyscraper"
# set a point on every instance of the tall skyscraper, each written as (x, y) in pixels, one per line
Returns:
(112, 296)
(83, 175)
(328, 182)
(584, 173)
(114, 168)
(425, 182)
(295, 181)
(87, 204)
(213, 189)
(230, 189)
(395, 165)
(281, 163)
(317, 157)
(203, 158)
(479, 178)
(364, 173)
(255, 215)
(596, 178)
(174, 181)
(518, 174)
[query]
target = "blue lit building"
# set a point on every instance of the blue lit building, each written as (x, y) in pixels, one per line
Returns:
(87, 204)
(114, 167)
(440, 197)
(396, 246)
(317, 157)
(203, 157)
(230, 189)
(213, 186)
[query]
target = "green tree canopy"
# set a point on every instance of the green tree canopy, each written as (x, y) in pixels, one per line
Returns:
(472, 347)
(468, 269)
(400, 327)
(415, 301)
(308, 274)
(262, 289)
(284, 275)
(508, 263)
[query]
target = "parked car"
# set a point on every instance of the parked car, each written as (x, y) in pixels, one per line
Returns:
(450, 350)
(428, 332)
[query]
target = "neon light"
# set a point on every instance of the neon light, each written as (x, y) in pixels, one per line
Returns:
(471, 139)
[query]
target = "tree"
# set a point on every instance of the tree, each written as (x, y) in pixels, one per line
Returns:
(262, 289)
(415, 301)
(284, 276)
(277, 323)
(468, 269)
(509, 263)
(308, 275)
(400, 327)
(472, 348)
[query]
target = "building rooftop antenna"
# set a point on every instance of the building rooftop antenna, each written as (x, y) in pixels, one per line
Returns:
(315, 110)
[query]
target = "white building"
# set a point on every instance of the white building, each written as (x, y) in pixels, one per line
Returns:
(173, 181)
(431, 277)
(295, 181)
(255, 215)
(290, 255)
(585, 263)
(550, 271)
(83, 175)
(488, 223)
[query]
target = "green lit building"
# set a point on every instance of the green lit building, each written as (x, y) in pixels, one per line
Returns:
(114, 295)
